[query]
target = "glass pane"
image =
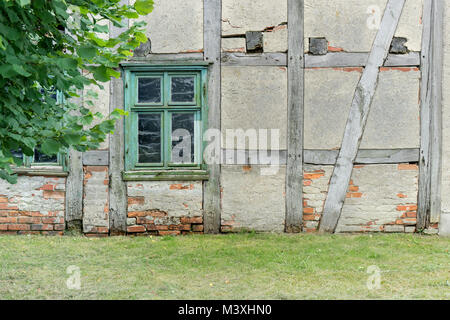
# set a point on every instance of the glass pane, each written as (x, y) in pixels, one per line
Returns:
(183, 138)
(40, 157)
(149, 138)
(149, 90)
(183, 89)
(17, 153)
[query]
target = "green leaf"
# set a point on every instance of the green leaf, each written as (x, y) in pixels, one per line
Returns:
(87, 52)
(143, 7)
(20, 70)
(24, 2)
(67, 63)
(101, 74)
(50, 147)
(72, 138)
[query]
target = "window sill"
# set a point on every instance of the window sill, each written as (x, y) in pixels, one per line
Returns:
(55, 171)
(166, 175)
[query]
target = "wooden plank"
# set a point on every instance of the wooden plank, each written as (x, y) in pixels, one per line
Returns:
(212, 29)
(74, 191)
(96, 158)
(320, 157)
(435, 69)
(364, 156)
(74, 186)
(425, 118)
(330, 60)
(359, 59)
(357, 119)
(194, 56)
(411, 59)
(296, 87)
(117, 191)
(257, 59)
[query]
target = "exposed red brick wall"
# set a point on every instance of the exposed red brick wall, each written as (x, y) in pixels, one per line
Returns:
(164, 208)
(400, 205)
(158, 223)
(34, 206)
(96, 201)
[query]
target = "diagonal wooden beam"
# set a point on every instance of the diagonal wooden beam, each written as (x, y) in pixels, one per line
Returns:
(357, 119)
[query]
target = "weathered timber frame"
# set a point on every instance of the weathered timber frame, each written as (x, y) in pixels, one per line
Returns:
(117, 190)
(330, 60)
(74, 186)
(430, 164)
(359, 112)
(212, 38)
(296, 87)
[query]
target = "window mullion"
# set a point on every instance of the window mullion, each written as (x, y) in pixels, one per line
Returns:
(167, 138)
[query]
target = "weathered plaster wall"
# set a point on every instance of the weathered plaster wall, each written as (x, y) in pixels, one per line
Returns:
(100, 99)
(345, 23)
(35, 205)
(176, 26)
(165, 208)
(252, 201)
(380, 198)
(254, 98)
(96, 200)
(393, 120)
(239, 16)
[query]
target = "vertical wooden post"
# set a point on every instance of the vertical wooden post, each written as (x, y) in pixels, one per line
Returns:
(117, 191)
(212, 29)
(294, 170)
(357, 118)
(74, 186)
(430, 162)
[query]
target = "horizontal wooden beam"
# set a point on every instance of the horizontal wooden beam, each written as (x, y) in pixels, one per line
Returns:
(40, 171)
(330, 60)
(166, 176)
(320, 157)
(261, 59)
(195, 56)
(365, 156)
(96, 158)
(357, 59)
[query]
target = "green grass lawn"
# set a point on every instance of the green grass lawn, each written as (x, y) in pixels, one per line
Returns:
(239, 266)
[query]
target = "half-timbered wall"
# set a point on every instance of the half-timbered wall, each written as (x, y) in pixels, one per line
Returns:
(288, 69)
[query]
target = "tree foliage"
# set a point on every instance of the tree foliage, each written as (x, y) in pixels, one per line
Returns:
(49, 46)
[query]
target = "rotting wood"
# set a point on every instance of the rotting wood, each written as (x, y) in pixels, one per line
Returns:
(294, 169)
(357, 119)
(212, 29)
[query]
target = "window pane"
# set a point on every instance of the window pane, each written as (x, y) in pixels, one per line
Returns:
(149, 138)
(183, 89)
(40, 157)
(183, 138)
(149, 90)
(17, 153)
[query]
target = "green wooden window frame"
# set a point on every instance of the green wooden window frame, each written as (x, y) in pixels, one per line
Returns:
(166, 107)
(60, 161)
